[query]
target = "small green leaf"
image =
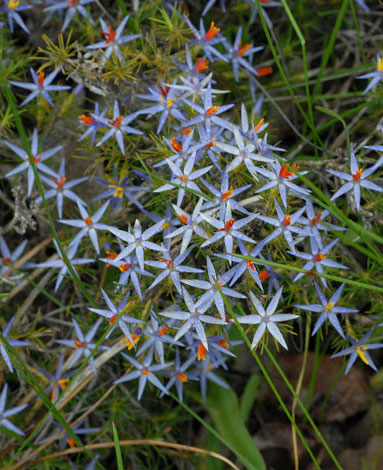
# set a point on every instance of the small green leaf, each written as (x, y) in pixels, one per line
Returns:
(223, 407)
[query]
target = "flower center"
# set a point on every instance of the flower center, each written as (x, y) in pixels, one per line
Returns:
(169, 262)
(78, 344)
(213, 31)
(264, 275)
(356, 176)
(242, 49)
(360, 351)
(170, 102)
(222, 343)
(88, 221)
(228, 226)
(162, 331)
(316, 219)
(116, 121)
(112, 319)
(286, 221)
(182, 377)
(176, 145)
(201, 65)
(250, 265)
(262, 71)
(59, 183)
(227, 194)
(212, 111)
(13, 4)
(87, 120)
(110, 35)
(40, 78)
(380, 65)
(211, 143)
(186, 131)
(126, 340)
(144, 372)
(320, 257)
(6, 261)
(284, 173)
(124, 267)
(183, 219)
(329, 307)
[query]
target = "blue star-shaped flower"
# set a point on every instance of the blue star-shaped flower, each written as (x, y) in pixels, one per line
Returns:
(41, 86)
(356, 179)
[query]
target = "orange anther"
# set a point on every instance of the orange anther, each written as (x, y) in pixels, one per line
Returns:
(316, 219)
(124, 267)
(320, 257)
(285, 173)
(162, 331)
(60, 183)
(211, 143)
(183, 219)
(37, 159)
(212, 111)
(62, 383)
(176, 145)
(356, 176)
(228, 225)
(242, 49)
(129, 345)
(182, 377)
(169, 262)
(78, 344)
(110, 35)
(88, 221)
(222, 343)
(111, 255)
(6, 261)
(264, 275)
(250, 265)
(71, 442)
(201, 65)
(201, 352)
(87, 120)
(262, 71)
(286, 221)
(40, 78)
(116, 121)
(186, 131)
(145, 372)
(227, 193)
(112, 319)
(257, 127)
(213, 31)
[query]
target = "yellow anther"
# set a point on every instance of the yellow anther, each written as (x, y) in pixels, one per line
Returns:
(13, 4)
(380, 65)
(360, 351)
(329, 306)
(170, 102)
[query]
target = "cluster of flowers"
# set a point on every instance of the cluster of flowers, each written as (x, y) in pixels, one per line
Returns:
(203, 218)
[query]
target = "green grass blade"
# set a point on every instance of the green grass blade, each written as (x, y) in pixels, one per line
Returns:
(120, 465)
